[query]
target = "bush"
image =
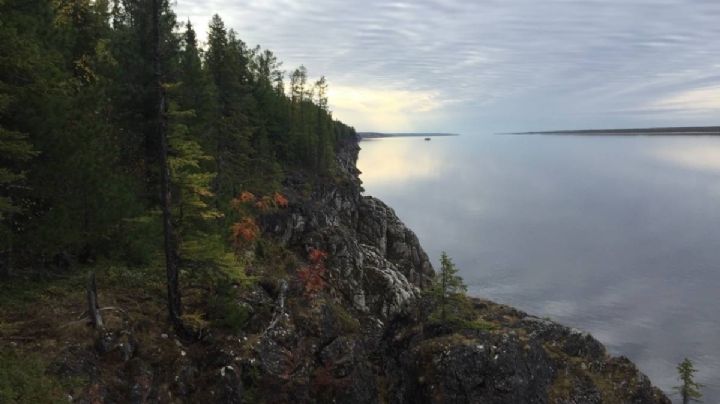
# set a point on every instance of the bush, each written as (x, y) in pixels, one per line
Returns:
(224, 310)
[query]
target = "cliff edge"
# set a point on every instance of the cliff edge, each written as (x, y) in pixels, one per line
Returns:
(359, 333)
(379, 268)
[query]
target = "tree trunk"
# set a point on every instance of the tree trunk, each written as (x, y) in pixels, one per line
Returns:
(173, 290)
(92, 301)
(443, 303)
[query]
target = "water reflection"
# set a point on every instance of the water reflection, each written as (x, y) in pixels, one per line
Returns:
(696, 157)
(399, 162)
(613, 235)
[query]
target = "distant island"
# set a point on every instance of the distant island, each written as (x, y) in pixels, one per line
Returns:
(671, 131)
(377, 135)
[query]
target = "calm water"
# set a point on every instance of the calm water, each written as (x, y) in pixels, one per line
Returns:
(618, 236)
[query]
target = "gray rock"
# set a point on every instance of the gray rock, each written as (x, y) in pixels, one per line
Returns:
(375, 262)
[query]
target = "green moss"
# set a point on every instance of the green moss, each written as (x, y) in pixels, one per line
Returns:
(607, 383)
(112, 276)
(23, 380)
(347, 323)
(479, 324)
(16, 295)
(433, 345)
(562, 387)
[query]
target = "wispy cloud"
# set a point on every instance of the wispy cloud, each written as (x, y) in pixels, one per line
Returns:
(699, 100)
(555, 62)
(382, 109)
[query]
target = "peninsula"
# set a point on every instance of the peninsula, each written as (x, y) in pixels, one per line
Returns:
(669, 131)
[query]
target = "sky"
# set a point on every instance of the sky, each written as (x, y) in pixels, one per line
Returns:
(485, 66)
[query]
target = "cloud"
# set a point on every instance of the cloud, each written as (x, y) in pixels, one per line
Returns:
(699, 100)
(381, 109)
(572, 63)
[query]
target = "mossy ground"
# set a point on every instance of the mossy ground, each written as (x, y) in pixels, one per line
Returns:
(43, 317)
(40, 317)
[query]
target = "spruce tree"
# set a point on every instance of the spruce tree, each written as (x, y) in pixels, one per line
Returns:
(689, 390)
(448, 289)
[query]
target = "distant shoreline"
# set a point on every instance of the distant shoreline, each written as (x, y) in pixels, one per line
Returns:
(669, 131)
(379, 135)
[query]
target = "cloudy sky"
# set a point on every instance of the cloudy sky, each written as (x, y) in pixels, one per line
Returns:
(477, 66)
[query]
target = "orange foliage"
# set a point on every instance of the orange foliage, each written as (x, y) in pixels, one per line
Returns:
(246, 196)
(317, 256)
(312, 279)
(263, 204)
(245, 231)
(313, 276)
(280, 200)
(243, 198)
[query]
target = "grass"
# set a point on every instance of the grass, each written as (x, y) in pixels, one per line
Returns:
(480, 324)
(23, 380)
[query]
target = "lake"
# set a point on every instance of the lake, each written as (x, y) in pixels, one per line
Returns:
(618, 236)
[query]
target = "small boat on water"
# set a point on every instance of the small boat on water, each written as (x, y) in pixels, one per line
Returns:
(427, 138)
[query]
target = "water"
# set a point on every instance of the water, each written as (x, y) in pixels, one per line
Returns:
(618, 236)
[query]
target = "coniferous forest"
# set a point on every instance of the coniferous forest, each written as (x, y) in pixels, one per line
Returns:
(81, 167)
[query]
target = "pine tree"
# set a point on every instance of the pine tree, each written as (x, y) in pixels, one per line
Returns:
(24, 65)
(227, 63)
(689, 390)
(195, 93)
(82, 195)
(133, 94)
(160, 127)
(448, 289)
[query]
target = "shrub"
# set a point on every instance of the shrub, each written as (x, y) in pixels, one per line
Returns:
(224, 310)
(244, 232)
(312, 276)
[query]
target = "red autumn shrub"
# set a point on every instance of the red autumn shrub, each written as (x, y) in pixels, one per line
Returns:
(246, 196)
(245, 231)
(243, 198)
(312, 276)
(280, 200)
(317, 256)
(312, 279)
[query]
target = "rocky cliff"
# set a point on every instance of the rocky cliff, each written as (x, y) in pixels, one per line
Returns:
(379, 268)
(375, 261)
(365, 337)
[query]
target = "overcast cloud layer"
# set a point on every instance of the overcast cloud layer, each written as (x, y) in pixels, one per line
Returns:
(494, 65)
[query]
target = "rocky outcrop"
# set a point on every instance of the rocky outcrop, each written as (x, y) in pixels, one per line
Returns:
(379, 225)
(512, 358)
(376, 262)
(379, 268)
